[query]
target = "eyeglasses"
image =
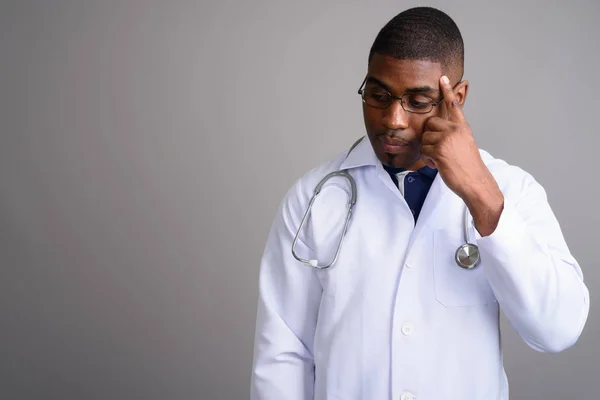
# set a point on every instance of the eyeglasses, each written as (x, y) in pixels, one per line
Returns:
(378, 97)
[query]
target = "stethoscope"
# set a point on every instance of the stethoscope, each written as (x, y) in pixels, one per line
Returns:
(467, 255)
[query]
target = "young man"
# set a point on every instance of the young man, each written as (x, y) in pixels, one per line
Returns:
(402, 313)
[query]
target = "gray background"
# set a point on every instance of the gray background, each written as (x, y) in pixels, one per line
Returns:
(145, 146)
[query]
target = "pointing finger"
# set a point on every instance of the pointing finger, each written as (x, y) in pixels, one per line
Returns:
(454, 110)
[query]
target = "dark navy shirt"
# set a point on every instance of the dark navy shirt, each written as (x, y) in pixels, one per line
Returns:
(416, 186)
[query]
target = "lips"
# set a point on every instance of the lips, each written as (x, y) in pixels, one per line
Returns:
(393, 141)
(393, 145)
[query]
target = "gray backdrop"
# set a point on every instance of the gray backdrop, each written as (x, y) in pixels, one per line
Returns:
(145, 146)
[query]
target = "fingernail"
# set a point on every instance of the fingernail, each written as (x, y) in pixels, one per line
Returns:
(445, 80)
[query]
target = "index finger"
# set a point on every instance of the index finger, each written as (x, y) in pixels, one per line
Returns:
(454, 110)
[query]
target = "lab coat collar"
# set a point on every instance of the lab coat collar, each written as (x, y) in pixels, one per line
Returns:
(362, 155)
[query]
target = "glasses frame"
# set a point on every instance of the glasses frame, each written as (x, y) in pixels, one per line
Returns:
(394, 98)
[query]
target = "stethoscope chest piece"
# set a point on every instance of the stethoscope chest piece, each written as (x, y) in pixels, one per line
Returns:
(467, 256)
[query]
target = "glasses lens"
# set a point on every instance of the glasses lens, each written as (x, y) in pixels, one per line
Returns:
(417, 103)
(377, 97)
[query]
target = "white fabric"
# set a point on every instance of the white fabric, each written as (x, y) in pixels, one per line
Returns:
(395, 317)
(400, 177)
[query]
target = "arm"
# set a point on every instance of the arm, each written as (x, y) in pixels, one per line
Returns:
(536, 280)
(289, 297)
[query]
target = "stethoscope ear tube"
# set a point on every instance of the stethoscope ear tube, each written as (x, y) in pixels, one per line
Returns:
(351, 202)
(466, 256)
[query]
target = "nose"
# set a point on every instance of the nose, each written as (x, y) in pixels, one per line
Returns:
(395, 117)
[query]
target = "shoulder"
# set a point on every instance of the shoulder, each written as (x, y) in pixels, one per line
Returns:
(299, 194)
(513, 180)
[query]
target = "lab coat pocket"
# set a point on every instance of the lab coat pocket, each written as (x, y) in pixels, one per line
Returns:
(456, 286)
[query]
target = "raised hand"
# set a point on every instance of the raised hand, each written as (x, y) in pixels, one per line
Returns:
(449, 146)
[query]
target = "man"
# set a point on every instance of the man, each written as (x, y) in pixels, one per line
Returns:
(396, 316)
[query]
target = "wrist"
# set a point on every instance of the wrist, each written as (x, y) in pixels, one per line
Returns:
(485, 204)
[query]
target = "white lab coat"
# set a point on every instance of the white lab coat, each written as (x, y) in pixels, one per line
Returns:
(395, 317)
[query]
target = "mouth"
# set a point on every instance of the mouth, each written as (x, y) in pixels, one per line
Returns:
(393, 145)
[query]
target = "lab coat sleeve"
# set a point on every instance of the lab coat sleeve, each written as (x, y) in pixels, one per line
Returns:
(537, 282)
(289, 298)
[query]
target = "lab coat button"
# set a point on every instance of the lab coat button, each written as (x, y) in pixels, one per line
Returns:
(407, 329)
(407, 396)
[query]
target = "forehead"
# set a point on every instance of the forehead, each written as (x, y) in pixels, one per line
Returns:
(400, 75)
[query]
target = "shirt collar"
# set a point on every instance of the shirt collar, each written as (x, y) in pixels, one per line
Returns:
(426, 171)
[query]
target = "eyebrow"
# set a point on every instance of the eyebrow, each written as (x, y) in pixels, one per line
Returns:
(414, 90)
(422, 89)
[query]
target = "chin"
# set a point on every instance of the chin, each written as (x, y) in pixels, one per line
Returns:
(393, 160)
(399, 161)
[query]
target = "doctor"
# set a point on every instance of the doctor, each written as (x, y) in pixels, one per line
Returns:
(395, 317)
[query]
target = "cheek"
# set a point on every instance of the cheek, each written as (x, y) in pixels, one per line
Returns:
(418, 126)
(371, 115)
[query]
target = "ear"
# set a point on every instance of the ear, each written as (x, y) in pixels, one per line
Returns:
(461, 89)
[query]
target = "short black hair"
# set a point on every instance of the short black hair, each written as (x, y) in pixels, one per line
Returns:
(422, 33)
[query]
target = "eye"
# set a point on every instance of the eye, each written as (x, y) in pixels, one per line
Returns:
(378, 94)
(419, 102)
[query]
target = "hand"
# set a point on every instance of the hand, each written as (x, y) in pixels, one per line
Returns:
(449, 146)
